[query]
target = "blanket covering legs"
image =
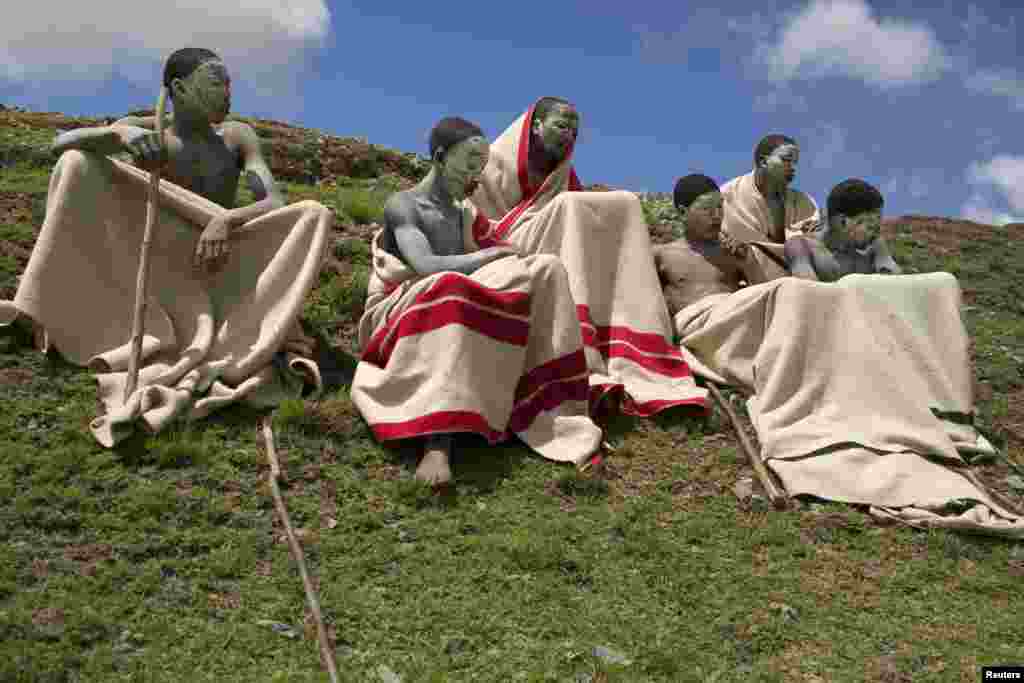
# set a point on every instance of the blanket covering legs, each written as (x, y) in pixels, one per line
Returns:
(210, 339)
(853, 387)
(495, 353)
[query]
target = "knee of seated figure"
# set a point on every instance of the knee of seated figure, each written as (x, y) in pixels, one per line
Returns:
(547, 267)
(74, 160)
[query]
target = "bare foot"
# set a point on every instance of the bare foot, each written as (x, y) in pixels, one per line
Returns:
(434, 468)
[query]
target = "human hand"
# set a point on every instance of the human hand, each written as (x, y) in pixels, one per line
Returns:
(144, 145)
(213, 243)
(733, 246)
(805, 225)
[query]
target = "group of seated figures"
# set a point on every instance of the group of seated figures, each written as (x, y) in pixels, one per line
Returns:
(503, 299)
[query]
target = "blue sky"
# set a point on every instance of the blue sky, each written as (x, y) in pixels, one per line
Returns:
(926, 103)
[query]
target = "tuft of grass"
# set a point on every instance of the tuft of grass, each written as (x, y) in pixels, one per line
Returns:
(163, 556)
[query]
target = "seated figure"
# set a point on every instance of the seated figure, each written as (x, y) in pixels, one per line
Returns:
(699, 264)
(849, 241)
(461, 337)
(860, 390)
(762, 210)
(226, 284)
(529, 195)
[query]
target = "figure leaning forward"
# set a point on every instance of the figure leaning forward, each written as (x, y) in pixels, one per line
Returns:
(226, 284)
(534, 200)
(462, 337)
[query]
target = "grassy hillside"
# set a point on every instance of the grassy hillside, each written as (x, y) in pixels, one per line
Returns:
(162, 560)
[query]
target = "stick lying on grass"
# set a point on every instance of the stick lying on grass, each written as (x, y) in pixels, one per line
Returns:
(296, 549)
(778, 499)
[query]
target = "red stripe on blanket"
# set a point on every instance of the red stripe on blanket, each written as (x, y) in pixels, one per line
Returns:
(523, 153)
(483, 235)
(574, 182)
(648, 408)
(666, 367)
(456, 284)
(548, 398)
(429, 318)
(601, 335)
(441, 422)
(561, 368)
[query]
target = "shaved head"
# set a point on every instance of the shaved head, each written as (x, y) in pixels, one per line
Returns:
(768, 144)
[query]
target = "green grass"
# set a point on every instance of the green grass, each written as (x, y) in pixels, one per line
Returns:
(161, 560)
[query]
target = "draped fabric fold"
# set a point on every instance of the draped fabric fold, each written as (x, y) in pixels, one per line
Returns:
(495, 353)
(747, 216)
(602, 240)
(210, 339)
(857, 387)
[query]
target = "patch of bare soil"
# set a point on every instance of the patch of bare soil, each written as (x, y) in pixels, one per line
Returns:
(15, 376)
(89, 556)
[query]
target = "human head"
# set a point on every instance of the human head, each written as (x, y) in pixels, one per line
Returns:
(855, 211)
(459, 152)
(198, 81)
(777, 155)
(697, 198)
(554, 127)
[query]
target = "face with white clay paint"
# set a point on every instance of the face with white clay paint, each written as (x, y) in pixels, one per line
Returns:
(779, 167)
(462, 165)
(206, 92)
(557, 130)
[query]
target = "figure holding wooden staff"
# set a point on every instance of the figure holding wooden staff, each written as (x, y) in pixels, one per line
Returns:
(221, 287)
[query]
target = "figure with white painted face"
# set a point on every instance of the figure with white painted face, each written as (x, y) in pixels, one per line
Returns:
(533, 199)
(850, 241)
(762, 209)
(460, 334)
(225, 284)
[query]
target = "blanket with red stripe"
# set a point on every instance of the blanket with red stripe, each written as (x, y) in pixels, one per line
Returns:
(602, 240)
(494, 353)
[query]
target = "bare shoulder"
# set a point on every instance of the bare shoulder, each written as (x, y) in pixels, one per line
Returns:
(239, 134)
(401, 209)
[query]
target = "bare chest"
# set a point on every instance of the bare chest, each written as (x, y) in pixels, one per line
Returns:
(777, 210)
(210, 169)
(442, 228)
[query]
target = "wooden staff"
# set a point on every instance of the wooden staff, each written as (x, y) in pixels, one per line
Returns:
(152, 209)
(778, 499)
(296, 549)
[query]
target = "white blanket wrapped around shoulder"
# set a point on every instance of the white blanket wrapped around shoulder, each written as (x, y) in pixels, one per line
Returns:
(748, 218)
(496, 353)
(210, 339)
(862, 390)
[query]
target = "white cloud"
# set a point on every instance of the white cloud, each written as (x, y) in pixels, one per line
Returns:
(1005, 173)
(844, 37)
(1002, 175)
(977, 209)
(60, 41)
(1000, 82)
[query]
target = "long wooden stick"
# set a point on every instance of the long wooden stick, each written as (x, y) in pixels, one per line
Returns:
(765, 477)
(296, 549)
(152, 209)
(1010, 505)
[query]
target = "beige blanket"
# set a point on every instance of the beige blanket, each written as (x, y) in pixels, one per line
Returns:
(494, 353)
(748, 218)
(603, 241)
(846, 381)
(210, 340)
